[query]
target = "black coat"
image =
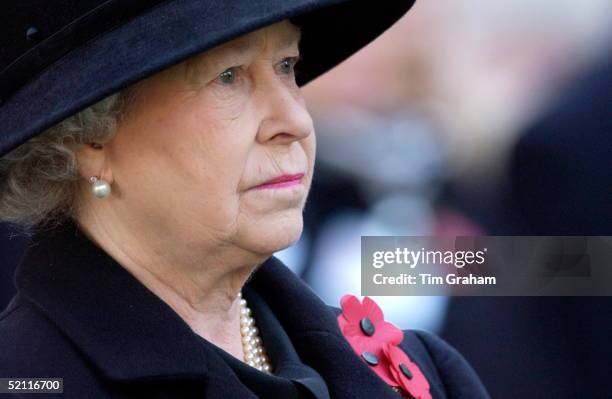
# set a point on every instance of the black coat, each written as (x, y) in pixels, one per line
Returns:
(11, 249)
(80, 316)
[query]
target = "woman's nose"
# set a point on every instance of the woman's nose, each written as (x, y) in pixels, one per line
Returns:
(286, 118)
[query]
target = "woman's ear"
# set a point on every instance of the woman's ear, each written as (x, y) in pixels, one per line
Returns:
(92, 160)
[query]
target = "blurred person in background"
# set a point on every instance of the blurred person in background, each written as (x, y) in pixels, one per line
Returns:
(530, 102)
(559, 183)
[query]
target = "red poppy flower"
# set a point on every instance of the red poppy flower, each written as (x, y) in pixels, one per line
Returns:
(353, 325)
(406, 373)
(366, 330)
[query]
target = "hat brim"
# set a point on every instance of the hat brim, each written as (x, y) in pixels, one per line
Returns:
(173, 31)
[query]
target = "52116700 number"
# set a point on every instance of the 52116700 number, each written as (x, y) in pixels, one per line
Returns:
(33, 385)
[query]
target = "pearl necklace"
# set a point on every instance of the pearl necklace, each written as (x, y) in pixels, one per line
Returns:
(252, 346)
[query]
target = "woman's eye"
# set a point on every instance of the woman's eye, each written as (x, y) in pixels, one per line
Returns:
(287, 65)
(228, 76)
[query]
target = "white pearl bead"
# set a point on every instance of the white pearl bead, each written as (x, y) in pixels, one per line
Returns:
(101, 188)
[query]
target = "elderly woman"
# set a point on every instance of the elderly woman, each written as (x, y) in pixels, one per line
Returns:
(161, 152)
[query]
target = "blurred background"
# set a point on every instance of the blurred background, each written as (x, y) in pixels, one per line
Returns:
(467, 118)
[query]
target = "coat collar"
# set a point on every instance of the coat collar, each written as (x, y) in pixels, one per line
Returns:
(120, 325)
(129, 333)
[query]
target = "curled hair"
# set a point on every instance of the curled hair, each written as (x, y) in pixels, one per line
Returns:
(39, 180)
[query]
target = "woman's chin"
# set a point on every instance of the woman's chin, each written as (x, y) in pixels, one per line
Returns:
(273, 235)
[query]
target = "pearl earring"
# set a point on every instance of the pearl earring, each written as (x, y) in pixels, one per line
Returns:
(99, 187)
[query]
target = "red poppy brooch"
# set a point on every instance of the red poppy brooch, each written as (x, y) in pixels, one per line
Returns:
(376, 341)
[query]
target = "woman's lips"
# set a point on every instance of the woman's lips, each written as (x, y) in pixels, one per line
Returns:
(282, 181)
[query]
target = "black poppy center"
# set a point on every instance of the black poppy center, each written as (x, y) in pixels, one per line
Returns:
(405, 370)
(367, 326)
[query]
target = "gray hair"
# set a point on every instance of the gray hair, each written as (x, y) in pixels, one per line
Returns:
(39, 180)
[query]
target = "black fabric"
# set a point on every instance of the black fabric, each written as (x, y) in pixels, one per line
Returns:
(80, 316)
(40, 40)
(291, 378)
(12, 244)
(48, 16)
(89, 58)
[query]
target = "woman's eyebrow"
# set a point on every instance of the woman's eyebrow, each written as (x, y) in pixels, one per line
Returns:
(233, 51)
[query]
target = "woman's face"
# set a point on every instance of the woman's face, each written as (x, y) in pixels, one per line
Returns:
(201, 136)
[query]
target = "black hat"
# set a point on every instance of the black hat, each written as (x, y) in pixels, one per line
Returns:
(60, 56)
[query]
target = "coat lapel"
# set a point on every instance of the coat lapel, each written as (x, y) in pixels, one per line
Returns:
(314, 332)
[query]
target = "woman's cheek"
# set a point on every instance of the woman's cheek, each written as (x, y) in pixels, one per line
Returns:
(310, 148)
(228, 102)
